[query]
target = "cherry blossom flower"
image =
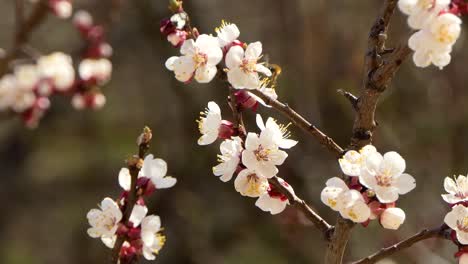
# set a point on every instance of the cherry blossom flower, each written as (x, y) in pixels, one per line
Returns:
(151, 236)
(457, 219)
(273, 201)
(104, 221)
(58, 68)
(352, 160)
(95, 70)
(421, 12)
(249, 183)
(280, 133)
(332, 194)
(244, 67)
(463, 259)
(209, 124)
(392, 218)
(227, 33)
(7, 91)
(199, 59)
(153, 169)
(384, 175)
(27, 76)
(354, 207)
(61, 8)
(457, 190)
(229, 159)
(262, 154)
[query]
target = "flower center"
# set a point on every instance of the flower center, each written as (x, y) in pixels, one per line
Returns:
(248, 66)
(255, 186)
(462, 224)
(426, 4)
(352, 214)
(444, 35)
(200, 59)
(262, 154)
(384, 180)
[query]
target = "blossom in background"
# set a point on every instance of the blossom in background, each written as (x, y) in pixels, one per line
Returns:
(421, 12)
(104, 221)
(392, 218)
(199, 59)
(457, 190)
(280, 133)
(249, 183)
(274, 201)
(153, 169)
(95, 71)
(463, 259)
(352, 160)
(59, 69)
(61, 8)
(384, 175)
(151, 236)
(354, 207)
(332, 194)
(227, 34)
(229, 159)
(7, 85)
(457, 220)
(243, 66)
(262, 154)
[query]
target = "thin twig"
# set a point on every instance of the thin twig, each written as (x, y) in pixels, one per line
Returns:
(353, 100)
(439, 232)
(301, 122)
(237, 114)
(294, 200)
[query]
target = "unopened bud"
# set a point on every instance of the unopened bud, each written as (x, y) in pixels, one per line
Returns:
(226, 130)
(245, 100)
(145, 137)
(177, 38)
(392, 218)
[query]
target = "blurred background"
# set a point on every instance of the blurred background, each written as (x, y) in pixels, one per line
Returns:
(51, 176)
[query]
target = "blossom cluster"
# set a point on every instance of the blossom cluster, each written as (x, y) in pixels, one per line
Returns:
(253, 159)
(27, 90)
(438, 27)
(61, 8)
(457, 218)
(141, 233)
(376, 181)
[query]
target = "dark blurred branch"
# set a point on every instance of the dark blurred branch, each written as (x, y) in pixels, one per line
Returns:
(134, 165)
(301, 122)
(24, 30)
(300, 204)
(378, 74)
(439, 232)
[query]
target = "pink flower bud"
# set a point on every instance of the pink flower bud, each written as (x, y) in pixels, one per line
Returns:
(275, 193)
(226, 130)
(95, 33)
(83, 21)
(245, 100)
(177, 38)
(122, 229)
(61, 8)
(134, 233)
(392, 218)
(166, 27)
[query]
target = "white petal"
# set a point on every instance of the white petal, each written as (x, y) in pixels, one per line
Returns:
(252, 142)
(125, 179)
(260, 123)
(386, 194)
(207, 139)
(184, 68)
(272, 205)
(405, 183)
(262, 69)
(164, 183)
(337, 182)
(188, 48)
(392, 218)
(287, 143)
(367, 178)
(278, 157)
(393, 164)
(248, 183)
(254, 50)
(137, 215)
(267, 169)
(170, 63)
(109, 241)
(234, 57)
(205, 74)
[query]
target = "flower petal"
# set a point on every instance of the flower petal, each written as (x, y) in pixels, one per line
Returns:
(405, 183)
(234, 57)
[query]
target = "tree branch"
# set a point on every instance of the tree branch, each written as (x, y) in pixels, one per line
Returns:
(439, 232)
(301, 122)
(294, 200)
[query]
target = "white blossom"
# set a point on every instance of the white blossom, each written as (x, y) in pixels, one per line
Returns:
(249, 183)
(457, 219)
(151, 236)
(209, 124)
(95, 69)
(422, 12)
(58, 68)
(384, 175)
(27, 76)
(227, 33)
(463, 259)
(262, 154)
(280, 133)
(392, 218)
(273, 201)
(199, 59)
(243, 66)
(104, 221)
(153, 169)
(229, 159)
(7, 91)
(352, 160)
(63, 8)
(457, 190)
(332, 194)
(354, 207)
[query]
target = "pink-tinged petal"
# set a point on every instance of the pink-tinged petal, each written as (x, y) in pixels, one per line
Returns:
(234, 57)
(405, 183)
(205, 73)
(386, 194)
(462, 237)
(262, 69)
(272, 205)
(253, 51)
(451, 199)
(188, 48)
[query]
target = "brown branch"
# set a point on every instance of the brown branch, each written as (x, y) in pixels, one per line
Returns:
(378, 74)
(300, 204)
(439, 232)
(353, 100)
(237, 114)
(301, 122)
(23, 32)
(134, 165)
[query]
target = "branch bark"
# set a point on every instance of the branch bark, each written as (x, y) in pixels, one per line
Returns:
(294, 200)
(302, 123)
(439, 232)
(378, 74)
